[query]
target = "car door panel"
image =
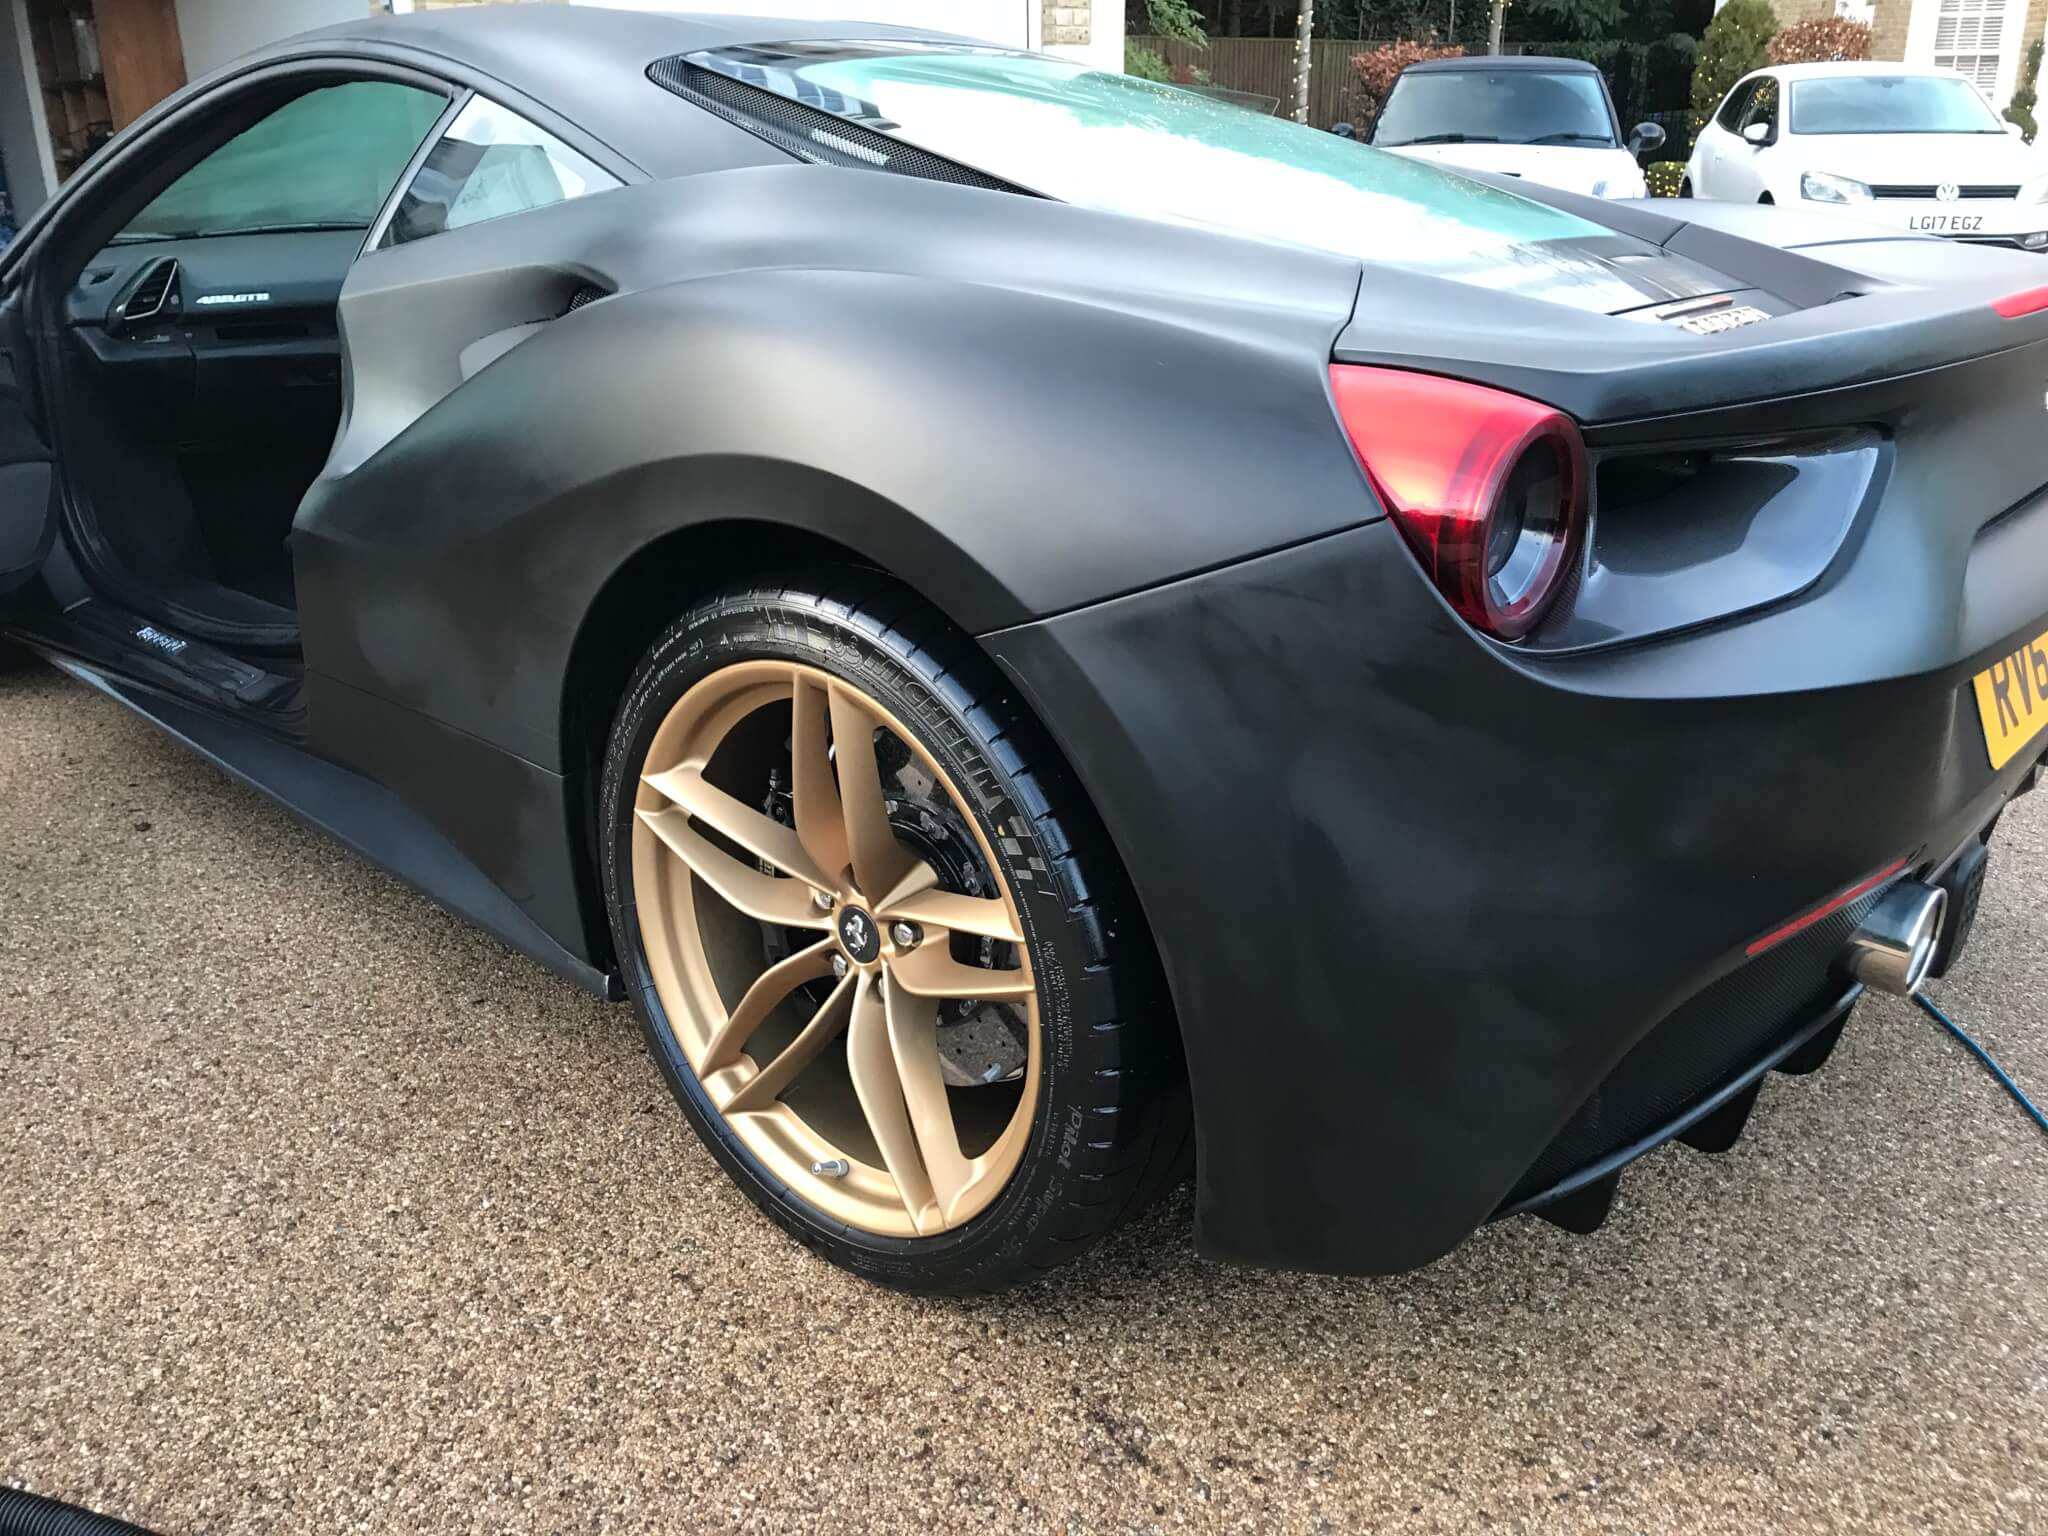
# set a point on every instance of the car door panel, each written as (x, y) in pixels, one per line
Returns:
(27, 510)
(246, 337)
(1706, 155)
(1745, 165)
(1718, 143)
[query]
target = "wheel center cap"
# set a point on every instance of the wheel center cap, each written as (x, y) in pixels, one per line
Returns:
(859, 936)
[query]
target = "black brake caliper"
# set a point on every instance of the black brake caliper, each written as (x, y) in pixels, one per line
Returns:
(979, 1041)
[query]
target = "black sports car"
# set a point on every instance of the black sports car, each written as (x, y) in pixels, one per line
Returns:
(1043, 628)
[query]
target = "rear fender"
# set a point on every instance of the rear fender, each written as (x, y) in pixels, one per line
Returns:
(1049, 411)
(1007, 446)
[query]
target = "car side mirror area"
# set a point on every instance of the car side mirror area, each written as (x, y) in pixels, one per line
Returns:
(2016, 130)
(1646, 139)
(1758, 134)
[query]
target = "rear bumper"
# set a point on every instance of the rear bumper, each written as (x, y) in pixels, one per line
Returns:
(1421, 901)
(1579, 1198)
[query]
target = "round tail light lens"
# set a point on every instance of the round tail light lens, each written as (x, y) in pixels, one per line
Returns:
(1488, 488)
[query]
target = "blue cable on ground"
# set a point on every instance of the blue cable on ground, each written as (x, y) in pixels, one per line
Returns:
(2004, 1079)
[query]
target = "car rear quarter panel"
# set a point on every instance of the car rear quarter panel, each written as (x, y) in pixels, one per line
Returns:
(1014, 406)
(1027, 419)
(1416, 899)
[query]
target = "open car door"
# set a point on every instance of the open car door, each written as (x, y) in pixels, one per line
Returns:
(28, 511)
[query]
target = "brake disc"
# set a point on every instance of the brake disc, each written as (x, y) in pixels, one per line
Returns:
(980, 1041)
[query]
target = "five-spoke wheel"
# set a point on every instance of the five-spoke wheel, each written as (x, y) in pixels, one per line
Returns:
(876, 945)
(880, 948)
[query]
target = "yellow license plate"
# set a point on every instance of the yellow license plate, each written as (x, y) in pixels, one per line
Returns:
(2012, 700)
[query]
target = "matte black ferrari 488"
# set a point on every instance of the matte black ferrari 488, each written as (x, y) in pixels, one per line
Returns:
(1038, 625)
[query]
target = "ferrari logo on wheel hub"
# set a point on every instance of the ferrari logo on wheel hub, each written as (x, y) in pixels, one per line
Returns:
(859, 936)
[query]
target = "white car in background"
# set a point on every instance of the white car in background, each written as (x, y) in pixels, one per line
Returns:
(1914, 149)
(1549, 120)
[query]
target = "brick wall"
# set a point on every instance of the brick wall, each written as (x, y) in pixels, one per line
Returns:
(1066, 23)
(1888, 28)
(1789, 11)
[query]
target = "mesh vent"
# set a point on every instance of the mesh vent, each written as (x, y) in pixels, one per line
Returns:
(589, 293)
(809, 133)
(1702, 1045)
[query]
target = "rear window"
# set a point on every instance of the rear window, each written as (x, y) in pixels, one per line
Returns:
(1130, 146)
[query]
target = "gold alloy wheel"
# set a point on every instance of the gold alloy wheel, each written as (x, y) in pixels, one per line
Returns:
(826, 1062)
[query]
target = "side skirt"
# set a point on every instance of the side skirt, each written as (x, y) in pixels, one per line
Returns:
(357, 813)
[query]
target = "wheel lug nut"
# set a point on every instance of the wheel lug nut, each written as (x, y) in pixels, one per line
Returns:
(821, 901)
(839, 965)
(903, 935)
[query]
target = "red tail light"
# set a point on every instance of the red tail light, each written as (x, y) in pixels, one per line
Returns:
(2030, 301)
(1488, 488)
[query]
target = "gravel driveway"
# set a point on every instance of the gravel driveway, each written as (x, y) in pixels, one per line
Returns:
(324, 1213)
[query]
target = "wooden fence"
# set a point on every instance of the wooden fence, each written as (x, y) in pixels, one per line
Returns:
(1264, 67)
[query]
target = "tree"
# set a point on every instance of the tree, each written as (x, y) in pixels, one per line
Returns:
(1823, 40)
(1373, 74)
(1174, 19)
(2023, 98)
(1586, 20)
(1735, 43)
(1142, 63)
(1303, 58)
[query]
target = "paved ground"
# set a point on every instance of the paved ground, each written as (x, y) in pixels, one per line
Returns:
(323, 1213)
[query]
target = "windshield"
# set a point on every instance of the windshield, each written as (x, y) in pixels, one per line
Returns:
(1890, 104)
(1500, 106)
(1129, 146)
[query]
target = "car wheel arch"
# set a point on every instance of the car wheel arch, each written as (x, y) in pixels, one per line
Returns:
(639, 600)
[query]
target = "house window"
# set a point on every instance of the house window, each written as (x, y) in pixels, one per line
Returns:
(1967, 38)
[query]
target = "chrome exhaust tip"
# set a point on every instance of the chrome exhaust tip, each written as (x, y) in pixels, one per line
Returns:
(1896, 944)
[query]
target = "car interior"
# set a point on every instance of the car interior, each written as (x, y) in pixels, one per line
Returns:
(199, 375)
(193, 367)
